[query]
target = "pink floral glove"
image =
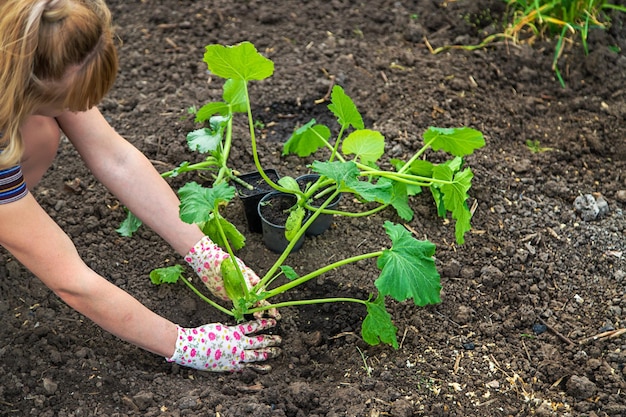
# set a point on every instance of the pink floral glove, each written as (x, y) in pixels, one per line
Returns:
(206, 257)
(220, 348)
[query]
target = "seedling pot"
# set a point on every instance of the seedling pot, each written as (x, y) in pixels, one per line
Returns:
(251, 198)
(323, 221)
(272, 211)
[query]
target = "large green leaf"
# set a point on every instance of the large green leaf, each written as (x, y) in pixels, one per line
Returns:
(307, 139)
(456, 141)
(239, 62)
(408, 268)
(377, 326)
(366, 144)
(197, 202)
(344, 109)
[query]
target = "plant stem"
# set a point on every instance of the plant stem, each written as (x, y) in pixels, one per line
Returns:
(349, 213)
(407, 178)
(255, 153)
(307, 302)
(206, 299)
(204, 165)
(320, 271)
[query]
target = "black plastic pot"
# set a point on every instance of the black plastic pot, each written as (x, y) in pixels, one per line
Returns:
(272, 211)
(323, 221)
(251, 198)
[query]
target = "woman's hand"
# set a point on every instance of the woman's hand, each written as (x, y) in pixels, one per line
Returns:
(206, 259)
(220, 348)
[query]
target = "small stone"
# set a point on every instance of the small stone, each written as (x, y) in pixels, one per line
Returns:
(50, 386)
(539, 328)
(587, 207)
(581, 387)
(469, 346)
(143, 400)
(621, 196)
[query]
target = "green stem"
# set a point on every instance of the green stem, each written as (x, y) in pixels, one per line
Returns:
(299, 281)
(337, 142)
(255, 153)
(307, 302)
(419, 153)
(206, 165)
(206, 299)
(241, 182)
(331, 147)
(228, 140)
(349, 213)
(406, 178)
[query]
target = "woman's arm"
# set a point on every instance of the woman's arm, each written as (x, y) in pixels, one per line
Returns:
(130, 176)
(40, 245)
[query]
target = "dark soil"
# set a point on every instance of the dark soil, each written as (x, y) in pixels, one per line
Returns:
(521, 300)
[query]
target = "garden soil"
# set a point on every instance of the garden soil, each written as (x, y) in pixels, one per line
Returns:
(526, 301)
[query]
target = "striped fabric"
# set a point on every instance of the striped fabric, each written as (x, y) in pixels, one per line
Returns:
(12, 185)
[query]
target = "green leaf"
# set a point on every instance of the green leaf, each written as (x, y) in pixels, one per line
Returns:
(455, 199)
(421, 168)
(400, 201)
(377, 326)
(129, 226)
(456, 141)
(345, 175)
(289, 272)
(344, 109)
(366, 144)
(340, 172)
(408, 268)
(204, 140)
(289, 183)
(239, 62)
(234, 236)
(236, 95)
(380, 192)
(197, 202)
(167, 275)
(294, 223)
(307, 139)
(210, 109)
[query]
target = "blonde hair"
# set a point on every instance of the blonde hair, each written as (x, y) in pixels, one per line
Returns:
(51, 51)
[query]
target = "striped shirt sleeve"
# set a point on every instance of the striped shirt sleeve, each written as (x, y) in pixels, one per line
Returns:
(12, 185)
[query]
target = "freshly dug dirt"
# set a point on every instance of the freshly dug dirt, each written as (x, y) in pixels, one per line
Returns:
(522, 299)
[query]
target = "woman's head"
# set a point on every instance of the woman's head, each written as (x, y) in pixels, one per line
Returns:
(53, 54)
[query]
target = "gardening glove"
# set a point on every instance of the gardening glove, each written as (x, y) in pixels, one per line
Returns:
(206, 258)
(220, 348)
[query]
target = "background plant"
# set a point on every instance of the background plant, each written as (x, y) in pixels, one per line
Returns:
(564, 20)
